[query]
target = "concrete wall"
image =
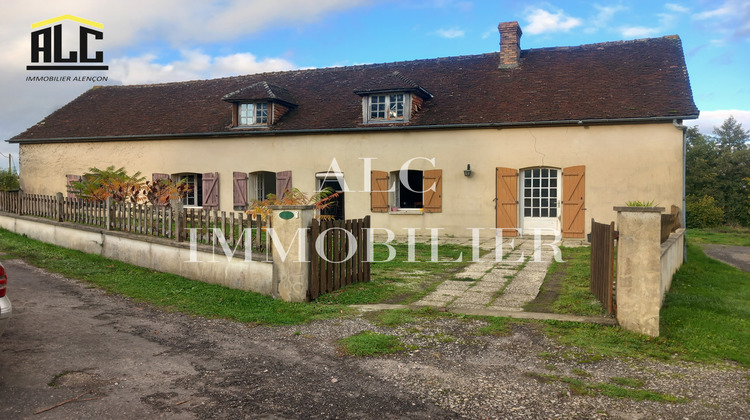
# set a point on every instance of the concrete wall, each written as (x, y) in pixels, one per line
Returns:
(623, 162)
(672, 256)
(644, 267)
(148, 252)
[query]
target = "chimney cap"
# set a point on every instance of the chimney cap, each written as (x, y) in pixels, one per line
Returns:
(509, 26)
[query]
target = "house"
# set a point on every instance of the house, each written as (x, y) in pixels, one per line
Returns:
(538, 138)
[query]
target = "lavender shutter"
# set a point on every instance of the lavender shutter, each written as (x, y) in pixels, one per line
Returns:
(283, 183)
(157, 176)
(211, 191)
(239, 181)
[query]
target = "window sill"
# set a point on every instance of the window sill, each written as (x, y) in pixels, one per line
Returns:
(407, 211)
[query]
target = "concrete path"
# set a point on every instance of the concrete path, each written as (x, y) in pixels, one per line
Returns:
(737, 256)
(501, 281)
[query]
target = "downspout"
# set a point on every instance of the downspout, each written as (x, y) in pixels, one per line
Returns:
(679, 126)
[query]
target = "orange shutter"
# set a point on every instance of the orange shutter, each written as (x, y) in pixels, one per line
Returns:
(573, 210)
(507, 200)
(433, 199)
(379, 193)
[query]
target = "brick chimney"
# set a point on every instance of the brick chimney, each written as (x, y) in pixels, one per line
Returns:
(510, 44)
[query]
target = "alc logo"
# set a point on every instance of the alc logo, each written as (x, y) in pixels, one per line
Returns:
(46, 43)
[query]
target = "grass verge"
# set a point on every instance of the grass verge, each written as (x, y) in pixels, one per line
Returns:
(724, 235)
(162, 289)
(402, 281)
(566, 287)
(368, 343)
(619, 390)
(705, 318)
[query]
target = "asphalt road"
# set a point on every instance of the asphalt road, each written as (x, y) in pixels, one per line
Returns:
(65, 340)
(737, 256)
(124, 360)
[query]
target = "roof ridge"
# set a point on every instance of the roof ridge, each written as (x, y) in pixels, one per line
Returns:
(606, 43)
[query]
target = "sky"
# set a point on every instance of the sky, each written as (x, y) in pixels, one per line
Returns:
(158, 41)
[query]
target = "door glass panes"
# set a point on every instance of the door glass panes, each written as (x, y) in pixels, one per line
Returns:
(540, 192)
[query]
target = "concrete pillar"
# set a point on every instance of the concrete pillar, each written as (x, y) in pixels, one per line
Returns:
(639, 269)
(291, 251)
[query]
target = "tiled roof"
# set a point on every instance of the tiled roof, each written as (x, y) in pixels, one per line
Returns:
(641, 79)
(261, 91)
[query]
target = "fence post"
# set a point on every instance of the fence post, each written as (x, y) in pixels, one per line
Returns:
(59, 207)
(110, 209)
(291, 253)
(639, 269)
(20, 202)
(179, 220)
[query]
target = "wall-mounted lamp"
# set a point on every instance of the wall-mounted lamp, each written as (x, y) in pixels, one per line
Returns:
(467, 171)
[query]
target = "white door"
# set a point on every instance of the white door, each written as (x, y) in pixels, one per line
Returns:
(540, 199)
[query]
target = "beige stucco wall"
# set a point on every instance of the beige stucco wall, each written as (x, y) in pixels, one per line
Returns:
(623, 162)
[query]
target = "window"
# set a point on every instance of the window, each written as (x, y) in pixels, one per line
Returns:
(387, 107)
(415, 190)
(261, 184)
(540, 192)
(409, 192)
(252, 114)
(194, 196)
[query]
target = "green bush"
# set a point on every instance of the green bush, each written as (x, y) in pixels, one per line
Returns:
(703, 212)
(9, 181)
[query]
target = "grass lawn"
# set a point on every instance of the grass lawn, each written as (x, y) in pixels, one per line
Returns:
(705, 318)
(162, 289)
(724, 235)
(401, 281)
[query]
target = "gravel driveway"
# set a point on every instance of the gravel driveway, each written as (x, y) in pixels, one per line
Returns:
(131, 361)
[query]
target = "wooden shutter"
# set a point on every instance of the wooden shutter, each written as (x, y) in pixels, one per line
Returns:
(573, 210)
(283, 183)
(379, 193)
(506, 212)
(157, 176)
(239, 182)
(70, 179)
(211, 190)
(433, 200)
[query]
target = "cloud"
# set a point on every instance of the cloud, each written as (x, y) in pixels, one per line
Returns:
(138, 34)
(676, 8)
(603, 18)
(638, 31)
(542, 21)
(732, 19)
(710, 119)
(193, 65)
(450, 33)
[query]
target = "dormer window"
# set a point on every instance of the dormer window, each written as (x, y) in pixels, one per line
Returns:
(387, 107)
(259, 106)
(252, 114)
(391, 98)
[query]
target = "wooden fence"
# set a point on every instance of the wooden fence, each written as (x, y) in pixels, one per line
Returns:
(601, 282)
(338, 252)
(171, 222)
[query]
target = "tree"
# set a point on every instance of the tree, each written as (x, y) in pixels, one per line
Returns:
(716, 166)
(100, 184)
(733, 166)
(701, 160)
(9, 180)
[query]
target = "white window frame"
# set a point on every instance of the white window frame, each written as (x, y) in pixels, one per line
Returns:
(193, 198)
(367, 102)
(252, 113)
(395, 196)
